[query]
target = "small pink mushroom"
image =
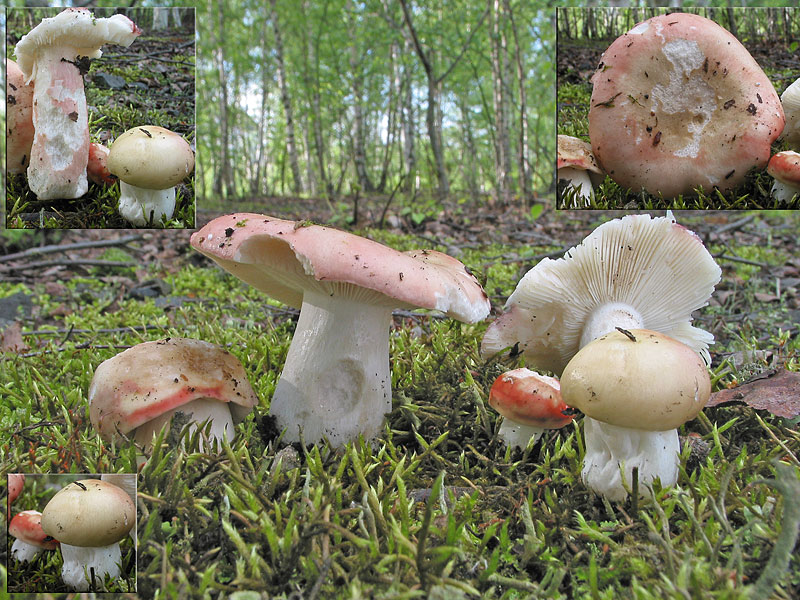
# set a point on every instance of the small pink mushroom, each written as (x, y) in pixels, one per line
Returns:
(785, 168)
(97, 169)
(19, 122)
(15, 483)
(31, 539)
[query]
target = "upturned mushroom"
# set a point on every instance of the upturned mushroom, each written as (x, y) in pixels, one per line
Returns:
(336, 382)
(140, 389)
(30, 538)
(678, 104)
(19, 119)
(89, 517)
(785, 168)
(49, 56)
(149, 161)
(637, 387)
(529, 403)
(577, 166)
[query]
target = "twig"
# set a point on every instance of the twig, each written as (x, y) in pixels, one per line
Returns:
(76, 246)
(82, 346)
(742, 260)
(735, 225)
(66, 262)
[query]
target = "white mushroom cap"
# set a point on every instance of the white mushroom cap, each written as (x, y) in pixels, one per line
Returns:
(155, 378)
(77, 28)
(151, 157)
(89, 513)
(678, 103)
(790, 98)
(634, 272)
(785, 168)
(647, 381)
(19, 120)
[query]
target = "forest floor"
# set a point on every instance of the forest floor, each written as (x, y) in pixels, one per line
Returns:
(437, 507)
(576, 63)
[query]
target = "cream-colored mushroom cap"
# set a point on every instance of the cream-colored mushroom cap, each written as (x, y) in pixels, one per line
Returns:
(647, 381)
(151, 157)
(89, 513)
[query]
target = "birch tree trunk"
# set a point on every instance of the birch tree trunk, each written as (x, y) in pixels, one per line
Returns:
(313, 85)
(359, 150)
(523, 172)
(499, 79)
(223, 181)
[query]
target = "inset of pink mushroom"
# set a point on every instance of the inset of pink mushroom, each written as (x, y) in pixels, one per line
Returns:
(31, 539)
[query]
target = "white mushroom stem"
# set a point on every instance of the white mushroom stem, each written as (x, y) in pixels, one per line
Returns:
(517, 434)
(608, 316)
(336, 380)
(60, 150)
(217, 413)
(578, 179)
(613, 452)
(79, 561)
(784, 192)
(24, 551)
(141, 206)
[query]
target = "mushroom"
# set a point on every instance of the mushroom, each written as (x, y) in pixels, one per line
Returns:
(141, 389)
(637, 387)
(15, 483)
(529, 403)
(578, 167)
(790, 99)
(19, 119)
(677, 104)
(126, 481)
(51, 56)
(785, 168)
(336, 381)
(26, 527)
(149, 161)
(89, 517)
(97, 167)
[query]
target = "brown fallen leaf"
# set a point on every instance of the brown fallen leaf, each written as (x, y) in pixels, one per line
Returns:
(776, 391)
(11, 339)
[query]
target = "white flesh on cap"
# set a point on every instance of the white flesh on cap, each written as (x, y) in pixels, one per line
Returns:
(612, 453)
(336, 379)
(578, 179)
(78, 562)
(23, 551)
(517, 434)
(200, 410)
(136, 204)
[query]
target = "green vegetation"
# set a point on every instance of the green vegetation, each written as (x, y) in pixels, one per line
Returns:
(436, 507)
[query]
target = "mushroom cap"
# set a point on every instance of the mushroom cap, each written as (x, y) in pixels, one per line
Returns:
(528, 398)
(785, 167)
(19, 121)
(78, 29)
(790, 99)
(284, 258)
(574, 152)
(654, 383)
(653, 268)
(27, 526)
(89, 513)
(678, 103)
(152, 378)
(15, 483)
(97, 168)
(151, 157)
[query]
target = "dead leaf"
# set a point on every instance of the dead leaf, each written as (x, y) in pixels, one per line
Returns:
(11, 339)
(765, 297)
(777, 392)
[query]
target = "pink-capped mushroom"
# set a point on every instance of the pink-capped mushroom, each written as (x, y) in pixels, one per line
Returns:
(785, 168)
(15, 483)
(19, 119)
(677, 104)
(336, 381)
(97, 167)
(577, 166)
(530, 403)
(50, 56)
(31, 539)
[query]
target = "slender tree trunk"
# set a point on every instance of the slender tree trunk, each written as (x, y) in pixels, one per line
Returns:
(312, 83)
(223, 183)
(409, 125)
(291, 144)
(499, 78)
(357, 86)
(522, 150)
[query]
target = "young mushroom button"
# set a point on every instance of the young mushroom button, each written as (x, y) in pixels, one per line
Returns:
(336, 382)
(678, 103)
(140, 390)
(51, 56)
(149, 161)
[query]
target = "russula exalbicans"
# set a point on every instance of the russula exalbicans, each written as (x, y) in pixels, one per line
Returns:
(19, 119)
(149, 162)
(336, 382)
(677, 104)
(785, 168)
(577, 166)
(140, 389)
(89, 517)
(50, 57)
(30, 538)
(638, 387)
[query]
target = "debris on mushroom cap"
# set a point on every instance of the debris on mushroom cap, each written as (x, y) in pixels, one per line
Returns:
(785, 168)
(283, 258)
(89, 513)
(638, 379)
(529, 398)
(153, 378)
(151, 157)
(790, 99)
(19, 121)
(634, 272)
(27, 526)
(678, 103)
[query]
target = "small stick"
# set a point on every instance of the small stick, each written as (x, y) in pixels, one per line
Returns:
(76, 246)
(628, 335)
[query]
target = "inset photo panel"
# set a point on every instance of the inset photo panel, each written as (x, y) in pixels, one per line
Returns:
(71, 532)
(100, 108)
(659, 109)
